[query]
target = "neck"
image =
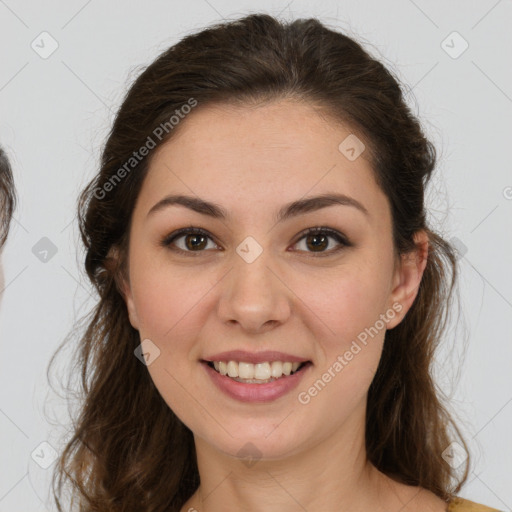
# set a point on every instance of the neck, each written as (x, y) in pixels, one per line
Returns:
(332, 474)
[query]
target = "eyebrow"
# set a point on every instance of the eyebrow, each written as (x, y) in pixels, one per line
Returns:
(293, 209)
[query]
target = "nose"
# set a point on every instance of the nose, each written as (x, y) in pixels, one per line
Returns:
(254, 296)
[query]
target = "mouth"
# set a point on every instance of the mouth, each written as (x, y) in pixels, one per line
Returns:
(258, 373)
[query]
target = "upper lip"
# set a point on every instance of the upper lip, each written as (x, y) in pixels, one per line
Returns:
(255, 357)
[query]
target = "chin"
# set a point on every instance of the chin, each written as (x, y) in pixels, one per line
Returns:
(254, 441)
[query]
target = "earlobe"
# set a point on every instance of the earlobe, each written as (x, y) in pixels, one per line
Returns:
(408, 276)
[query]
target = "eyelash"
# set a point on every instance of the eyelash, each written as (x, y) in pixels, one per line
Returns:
(341, 239)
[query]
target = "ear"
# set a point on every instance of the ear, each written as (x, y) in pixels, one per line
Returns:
(407, 278)
(130, 305)
(112, 264)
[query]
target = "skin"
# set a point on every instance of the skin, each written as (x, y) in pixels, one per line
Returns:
(252, 161)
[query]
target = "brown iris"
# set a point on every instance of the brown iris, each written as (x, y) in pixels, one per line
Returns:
(195, 244)
(316, 244)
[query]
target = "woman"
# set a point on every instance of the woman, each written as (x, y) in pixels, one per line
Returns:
(270, 293)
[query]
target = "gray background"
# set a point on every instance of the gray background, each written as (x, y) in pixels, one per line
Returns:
(57, 110)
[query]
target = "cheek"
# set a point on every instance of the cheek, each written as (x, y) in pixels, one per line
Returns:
(348, 300)
(165, 296)
(351, 307)
(170, 308)
(351, 304)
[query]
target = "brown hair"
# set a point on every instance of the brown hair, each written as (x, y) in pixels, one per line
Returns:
(126, 437)
(7, 197)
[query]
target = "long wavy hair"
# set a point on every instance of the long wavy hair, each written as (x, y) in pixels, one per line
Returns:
(125, 438)
(8, 197)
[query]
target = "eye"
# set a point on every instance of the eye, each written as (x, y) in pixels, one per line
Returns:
(194, 240)
(317, 239)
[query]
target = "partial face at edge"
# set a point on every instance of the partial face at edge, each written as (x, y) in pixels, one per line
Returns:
(311, 296)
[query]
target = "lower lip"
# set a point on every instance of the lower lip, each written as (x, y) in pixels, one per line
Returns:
(256, 392)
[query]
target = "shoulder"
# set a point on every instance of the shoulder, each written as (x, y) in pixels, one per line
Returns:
(461, 505)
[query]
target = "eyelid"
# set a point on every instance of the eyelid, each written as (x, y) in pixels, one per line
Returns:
(342, 240)
(339, 237)
(167, 240)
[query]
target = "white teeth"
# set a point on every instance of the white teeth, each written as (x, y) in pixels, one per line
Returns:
(259, 371)
(245, 371)
(277, 369)
(262, 371)
(232, 369)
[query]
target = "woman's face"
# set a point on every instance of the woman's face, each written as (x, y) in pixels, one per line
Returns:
(254, 282)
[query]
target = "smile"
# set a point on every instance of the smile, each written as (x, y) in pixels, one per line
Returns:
(258, 373)
(258, 382)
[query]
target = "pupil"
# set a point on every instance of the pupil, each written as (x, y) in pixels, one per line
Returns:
(196, 244)
(317, 245)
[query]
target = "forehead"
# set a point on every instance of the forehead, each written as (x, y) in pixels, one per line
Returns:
(272, 133)
(276, 152)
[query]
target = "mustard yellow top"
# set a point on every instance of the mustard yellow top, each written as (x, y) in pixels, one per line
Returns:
(462, 505)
